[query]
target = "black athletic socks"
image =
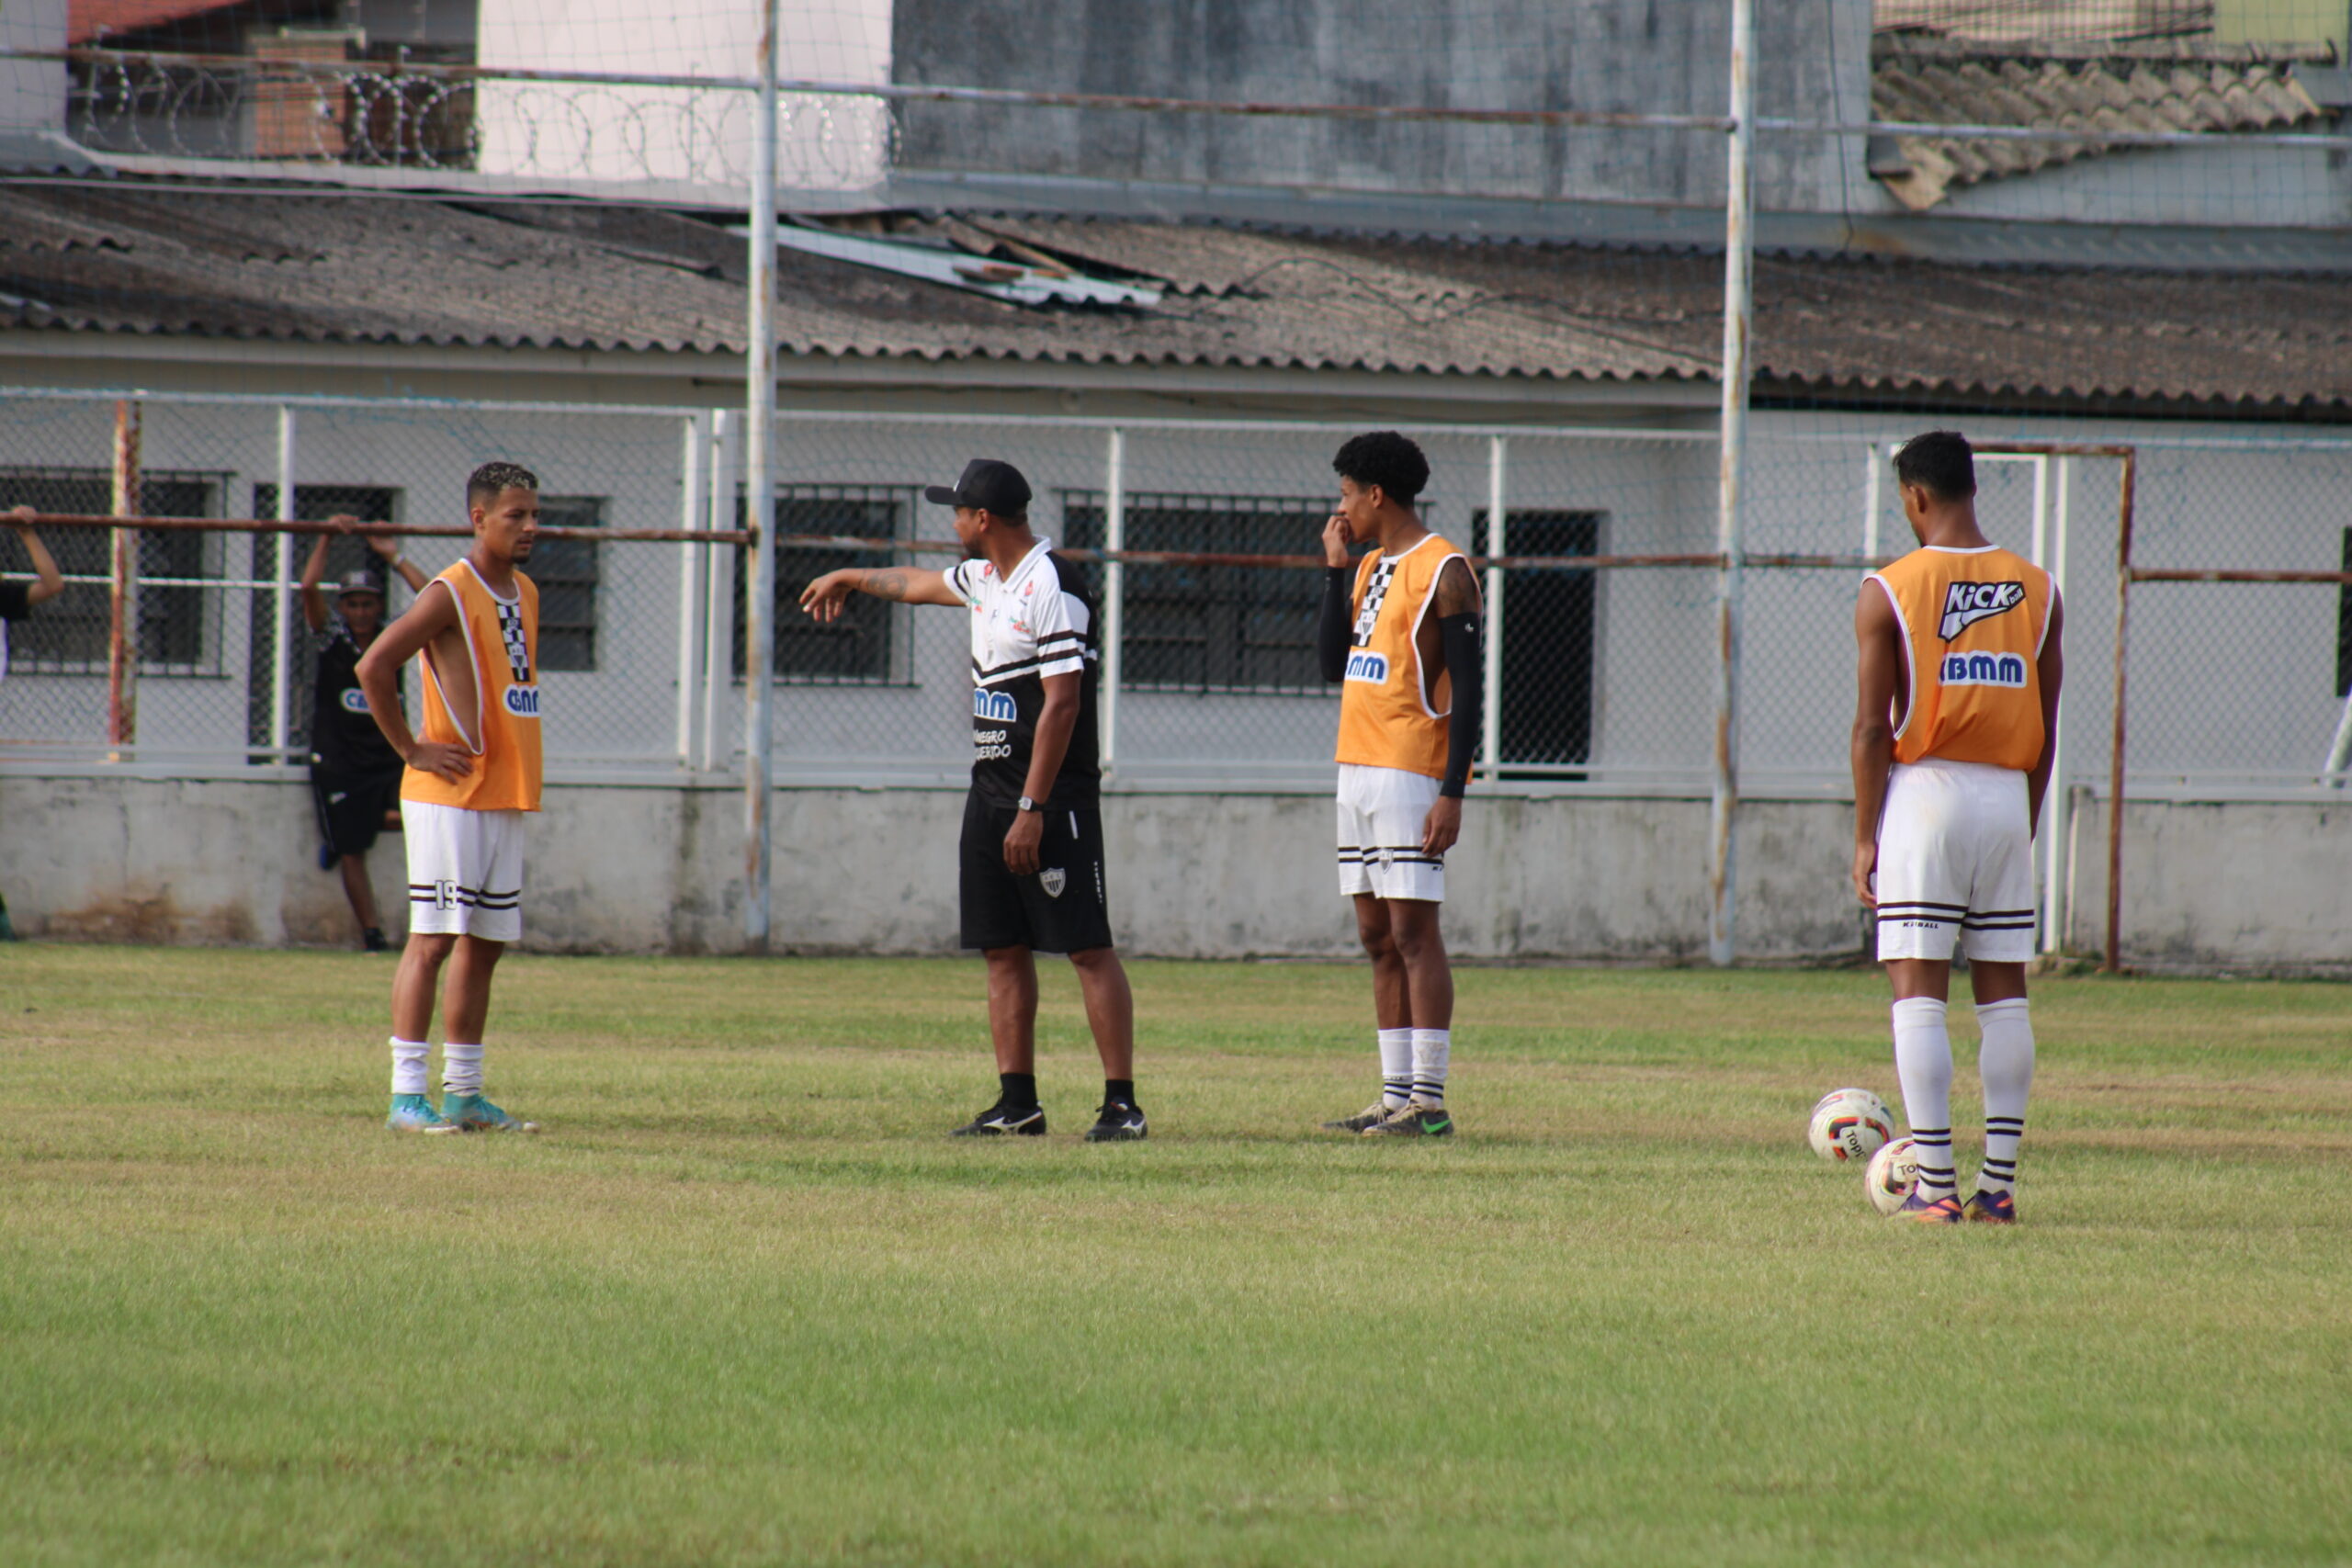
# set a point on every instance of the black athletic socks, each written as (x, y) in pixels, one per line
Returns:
(1119, 1092)
(1017, 1089)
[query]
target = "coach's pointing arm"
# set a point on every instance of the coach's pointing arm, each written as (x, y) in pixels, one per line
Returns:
(824, 599)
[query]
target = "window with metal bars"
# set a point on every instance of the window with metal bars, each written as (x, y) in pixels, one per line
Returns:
(863, 646)
(179, 617)
(1212, 628)
(1548, 619)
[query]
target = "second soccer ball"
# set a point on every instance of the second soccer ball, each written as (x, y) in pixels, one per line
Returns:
(1850, 1125)
(1892, 1172)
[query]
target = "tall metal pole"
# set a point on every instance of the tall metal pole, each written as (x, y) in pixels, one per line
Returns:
(759, 671)
(1738, 315)
(724, 588)
(122, 590)
(2112, 958)
(694, 503)
(1114, 595)
(1490, 720)
(281, 556)
(2058, 803)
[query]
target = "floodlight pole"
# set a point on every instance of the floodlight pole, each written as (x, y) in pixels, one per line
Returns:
(1738, 316)
(759, 660)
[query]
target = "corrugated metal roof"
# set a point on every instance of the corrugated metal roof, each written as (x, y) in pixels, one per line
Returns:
(94, 21)
(2176, 86)
(352, 269)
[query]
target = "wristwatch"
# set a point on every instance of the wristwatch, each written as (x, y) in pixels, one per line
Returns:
(1028, 805)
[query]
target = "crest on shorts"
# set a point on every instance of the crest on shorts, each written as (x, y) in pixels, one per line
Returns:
(1053, 879)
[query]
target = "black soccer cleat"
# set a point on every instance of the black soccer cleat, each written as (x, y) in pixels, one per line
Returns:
(1415, 1121)
(1118, 1123)
(1364, 1121)
(1002, 1120)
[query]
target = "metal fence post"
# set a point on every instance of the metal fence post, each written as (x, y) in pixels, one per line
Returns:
(1115, 594)
(122, 590)
(720, 593)
(281, 555)
(1490, 718)
(1738, 303)
(2112, 961)
(693, 560)
(760, 413)
(2058, 811)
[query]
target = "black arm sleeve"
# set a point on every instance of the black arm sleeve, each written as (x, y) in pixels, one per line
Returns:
(1467, 670)
(1331, 627)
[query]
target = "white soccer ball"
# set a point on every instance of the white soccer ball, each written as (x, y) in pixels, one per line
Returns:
(1894, 1172)
(1850, 1123)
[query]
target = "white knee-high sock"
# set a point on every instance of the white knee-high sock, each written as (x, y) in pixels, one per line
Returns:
(2006, 1064)
(460, 1068)
(1395, 1067)
(1923, 1064)
(1432, 1048)
(408, 1065)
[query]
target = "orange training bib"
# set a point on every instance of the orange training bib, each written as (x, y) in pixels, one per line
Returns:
(502, 637)
(1972, 623)
(1392, 711)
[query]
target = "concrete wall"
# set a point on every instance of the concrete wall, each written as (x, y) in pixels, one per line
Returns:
(1628, 56)
(2247, 887)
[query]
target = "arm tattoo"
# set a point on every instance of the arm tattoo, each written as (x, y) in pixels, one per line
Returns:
(1457, 591)
(889, 583)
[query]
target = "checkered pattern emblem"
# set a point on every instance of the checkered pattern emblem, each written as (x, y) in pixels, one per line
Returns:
(1375, 593)
(518, 647)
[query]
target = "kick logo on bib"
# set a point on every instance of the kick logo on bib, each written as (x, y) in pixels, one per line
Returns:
(1965, 604)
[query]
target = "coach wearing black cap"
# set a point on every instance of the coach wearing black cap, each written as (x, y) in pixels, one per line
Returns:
(354, 772)
(1032, 859)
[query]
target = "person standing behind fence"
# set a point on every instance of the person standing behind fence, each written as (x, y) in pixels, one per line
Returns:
(1029, 877)
(354, 772)
(1399, 629)
(471, 779)
(16, 601)
(1957, 698)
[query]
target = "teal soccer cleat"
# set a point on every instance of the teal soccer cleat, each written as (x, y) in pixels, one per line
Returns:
(472, 1113)
(415, 1113)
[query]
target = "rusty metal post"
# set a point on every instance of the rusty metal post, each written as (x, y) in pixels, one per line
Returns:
(122, 590)
(758, 663)
(1723, 878)
(2112, 962)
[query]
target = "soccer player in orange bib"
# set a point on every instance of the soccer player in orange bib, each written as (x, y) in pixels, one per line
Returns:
(470, 779)
(1957, 699)
(1399, 629)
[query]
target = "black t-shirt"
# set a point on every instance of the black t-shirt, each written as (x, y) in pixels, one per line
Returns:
(16, 601)
(343, 737)
(1034, 624)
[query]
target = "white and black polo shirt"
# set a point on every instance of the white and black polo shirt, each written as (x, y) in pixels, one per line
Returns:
(1033, 623)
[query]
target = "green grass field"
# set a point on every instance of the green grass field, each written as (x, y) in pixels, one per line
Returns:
(741, 1302)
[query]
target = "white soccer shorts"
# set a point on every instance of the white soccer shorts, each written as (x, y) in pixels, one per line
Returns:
(465, 870)
(1380, 814)
(1955, 860)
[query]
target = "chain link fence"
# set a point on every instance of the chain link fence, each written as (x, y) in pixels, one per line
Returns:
(1201, 543)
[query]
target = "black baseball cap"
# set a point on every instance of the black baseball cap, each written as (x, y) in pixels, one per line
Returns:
(360, 579)
(987, 484)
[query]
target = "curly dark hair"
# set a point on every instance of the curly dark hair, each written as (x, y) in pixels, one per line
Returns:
(1941, 461)
(490, 481)
(1385, 458)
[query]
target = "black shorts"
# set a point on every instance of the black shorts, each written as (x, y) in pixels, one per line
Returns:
(351, 806)
(1061, 908)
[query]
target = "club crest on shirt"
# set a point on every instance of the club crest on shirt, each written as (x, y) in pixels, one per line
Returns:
(353, 700)
(1965, 604)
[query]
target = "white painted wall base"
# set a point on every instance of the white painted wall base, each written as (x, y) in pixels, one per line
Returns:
(2242, 886)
